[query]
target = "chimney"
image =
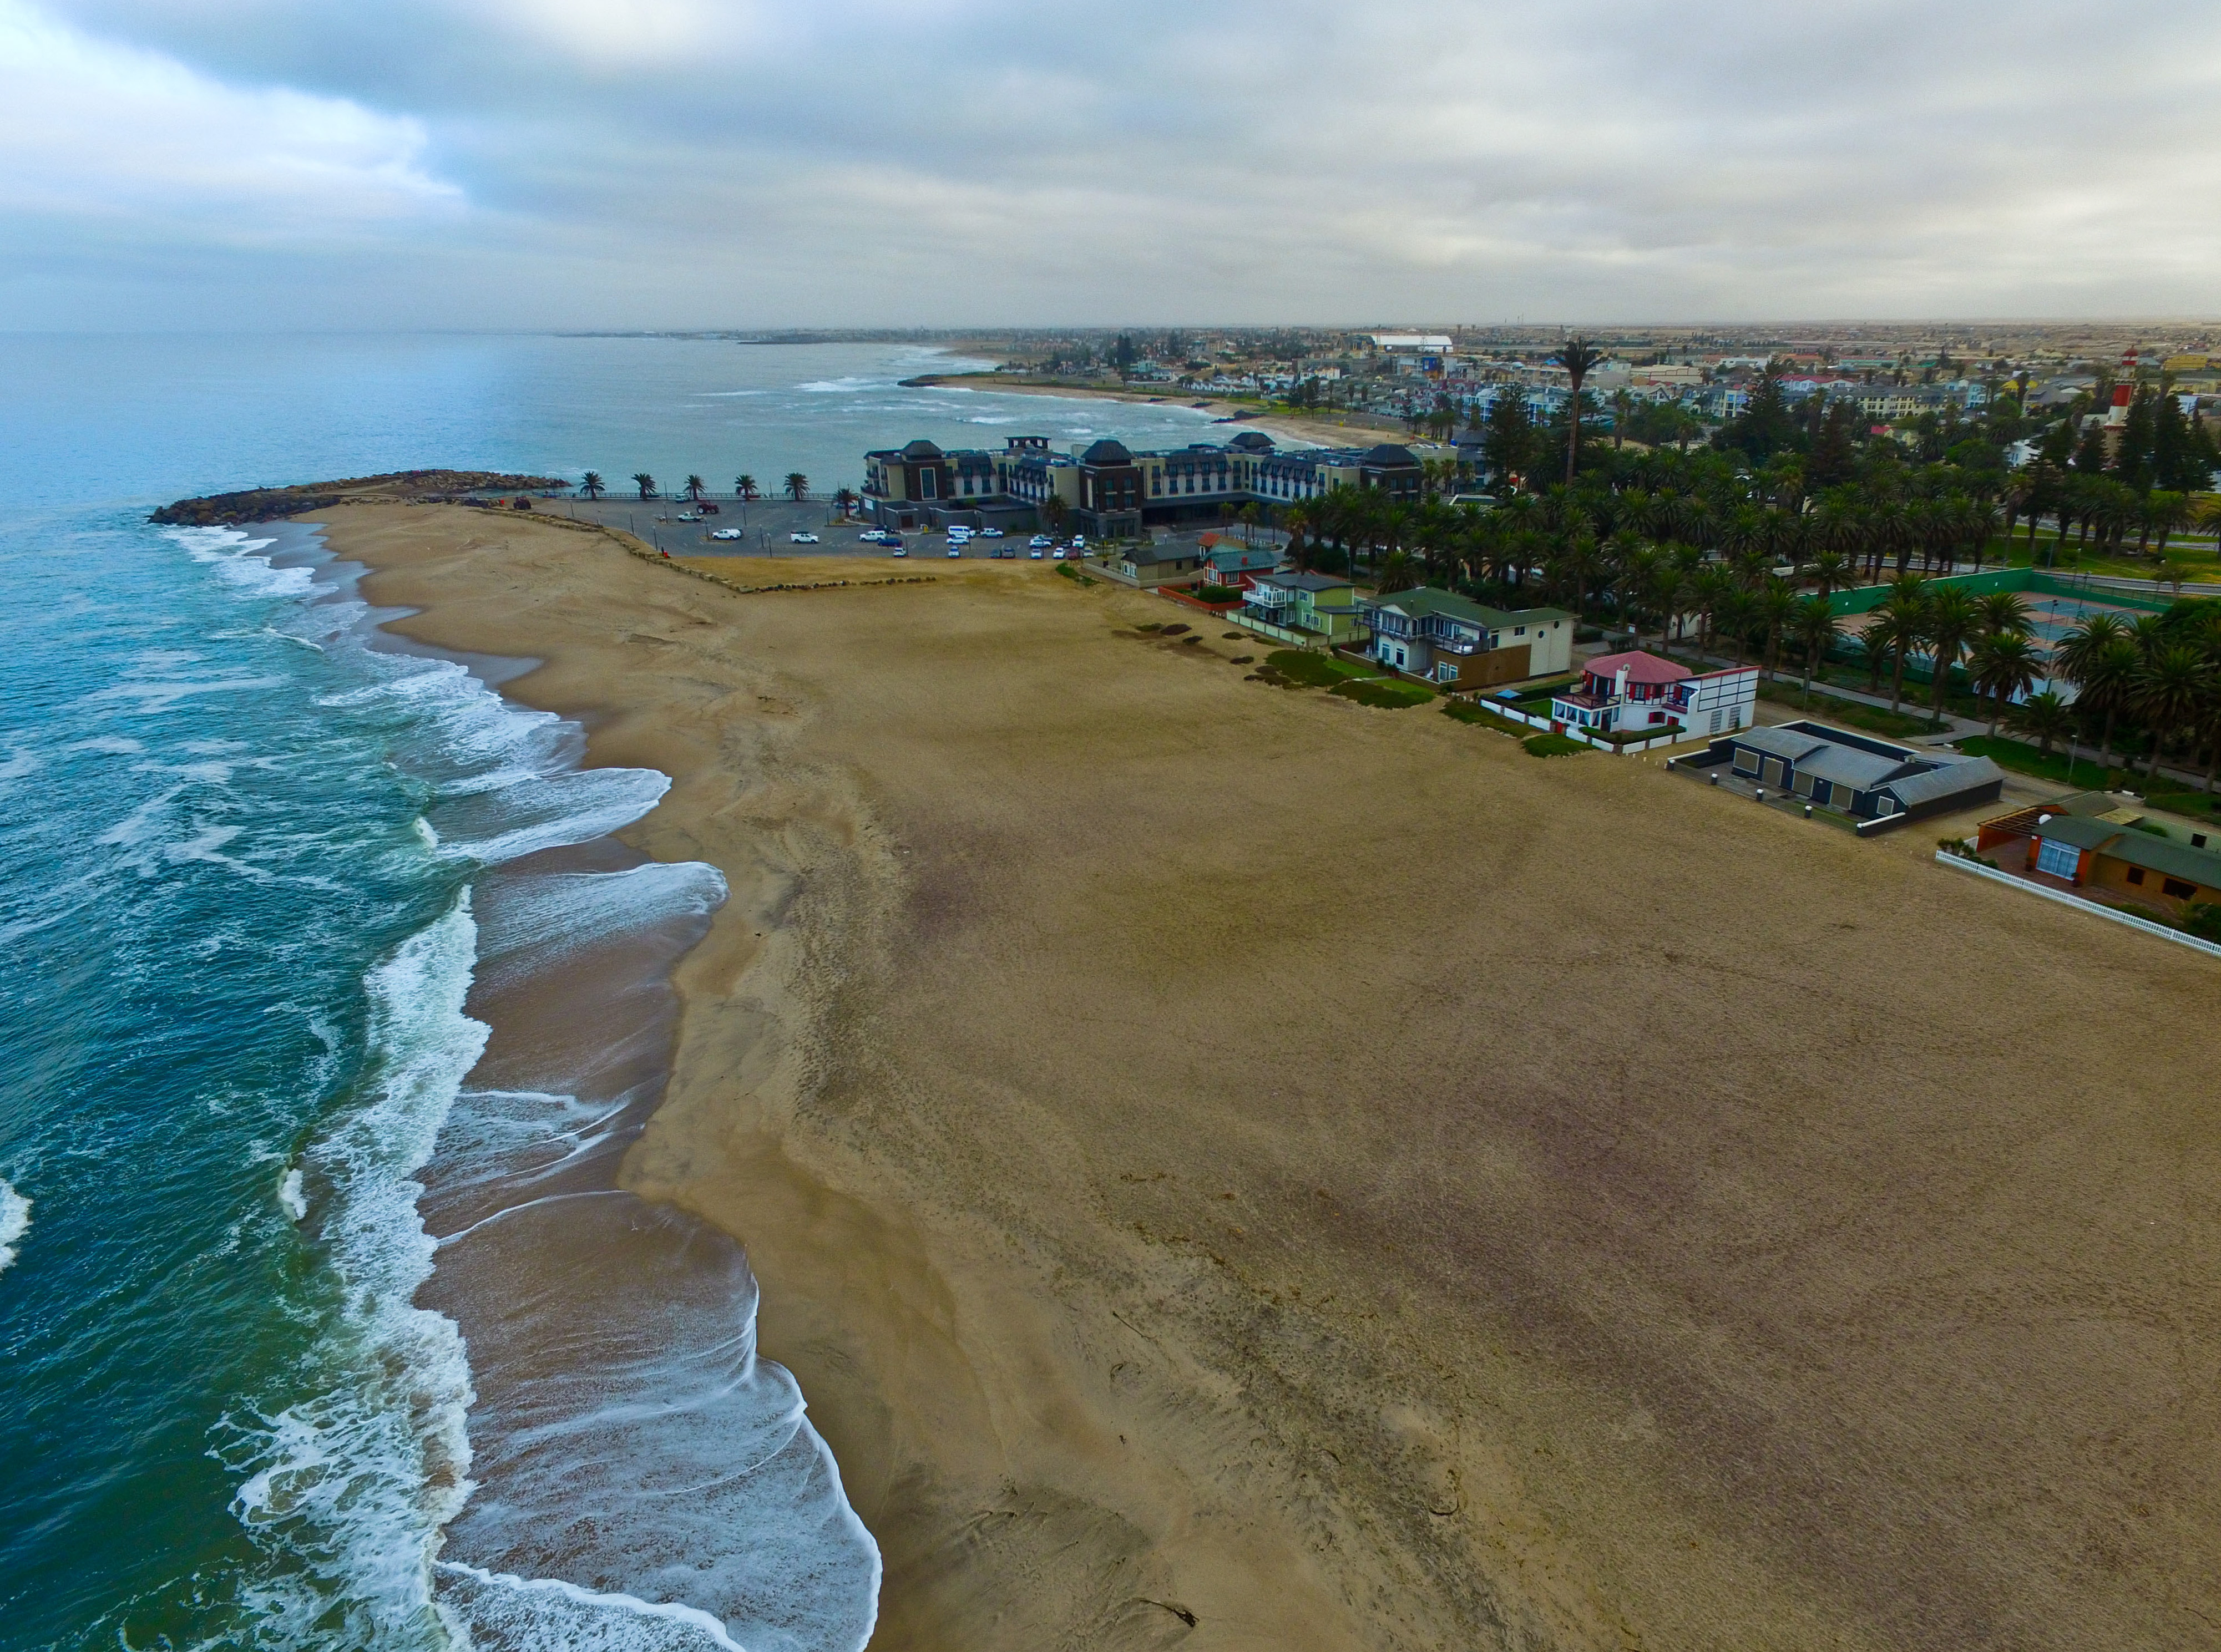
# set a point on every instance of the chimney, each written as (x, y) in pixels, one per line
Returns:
(1620, 684)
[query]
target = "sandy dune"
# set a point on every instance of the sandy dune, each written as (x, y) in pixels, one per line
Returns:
(1232, 1169)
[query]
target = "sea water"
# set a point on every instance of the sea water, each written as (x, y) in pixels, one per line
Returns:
(322, 1323)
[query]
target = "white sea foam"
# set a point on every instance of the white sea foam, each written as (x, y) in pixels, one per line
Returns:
(549, 1615)
(291, 1199)
(236, 559)
(351, 1489)
(543, 920)
(15, 1223)
(113, 745)
(20, 763)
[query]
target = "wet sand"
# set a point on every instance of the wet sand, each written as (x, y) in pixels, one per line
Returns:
(1231, 1168)
(1328, 429)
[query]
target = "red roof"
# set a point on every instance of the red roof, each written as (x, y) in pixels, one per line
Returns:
(1641, 668)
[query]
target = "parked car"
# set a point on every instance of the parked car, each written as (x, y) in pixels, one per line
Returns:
(892, 542)
(1003, 551)
(802, 539)
(1040, 542)
(956, 550)
(724, 533)
(874, 536)
(1035, 555)
(991, 533)
(1057, 555)
(1080, 543)
(900, 552)
(688, 516)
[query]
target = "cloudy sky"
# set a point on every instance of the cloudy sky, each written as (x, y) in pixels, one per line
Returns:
(697, 163)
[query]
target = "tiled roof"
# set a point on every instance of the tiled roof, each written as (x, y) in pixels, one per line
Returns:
(1641, 668)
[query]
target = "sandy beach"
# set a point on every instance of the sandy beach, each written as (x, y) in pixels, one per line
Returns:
(1233, 1168)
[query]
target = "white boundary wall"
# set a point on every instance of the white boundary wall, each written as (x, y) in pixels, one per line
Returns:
(2077, 902)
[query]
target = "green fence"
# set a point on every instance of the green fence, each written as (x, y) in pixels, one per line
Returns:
(1863, 599)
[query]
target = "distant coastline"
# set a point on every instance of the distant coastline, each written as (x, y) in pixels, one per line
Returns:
(1336, 431)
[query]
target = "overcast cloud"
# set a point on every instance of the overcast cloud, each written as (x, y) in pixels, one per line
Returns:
(686, 163)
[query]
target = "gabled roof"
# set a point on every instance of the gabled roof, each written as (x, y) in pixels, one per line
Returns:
(1432, 599)
(1390, 454)
(1306, 582)
(2159, 854)
(1777, 742)
(1641, 668)
(1847, 765)
(1946, 779)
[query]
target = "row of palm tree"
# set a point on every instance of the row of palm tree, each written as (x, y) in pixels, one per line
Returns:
(796, 487)
(2161, 672)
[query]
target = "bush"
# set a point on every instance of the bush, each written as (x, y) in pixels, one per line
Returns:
(1552, 746)
(1218, 593)
(1166, 630)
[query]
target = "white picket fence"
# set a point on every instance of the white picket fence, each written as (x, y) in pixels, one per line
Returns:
(1511, 713)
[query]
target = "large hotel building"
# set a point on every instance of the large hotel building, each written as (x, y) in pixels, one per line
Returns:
(1110, 491)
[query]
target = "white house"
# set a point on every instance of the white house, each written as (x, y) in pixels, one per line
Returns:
(1637, 690)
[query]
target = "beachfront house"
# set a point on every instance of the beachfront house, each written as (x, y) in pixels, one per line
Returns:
(1148, 566)
(1442, 637)
(1856, 774)
(1638, 690)
(1309, 609)
(2108, 846)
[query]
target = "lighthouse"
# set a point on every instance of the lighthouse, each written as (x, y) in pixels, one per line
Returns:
(2124, 391)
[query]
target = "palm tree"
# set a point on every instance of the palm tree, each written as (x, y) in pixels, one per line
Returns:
(844, 500)
(2100, 658)
(693, 489)
(2002, 666)
(2005, 614)
(1893, 631)
(645, 483)
(1736, 611)
(1053, 513)
(1814, 626)
(591, 485)
(1953, 622)
(2171, 689)
(1577, 357)
(744, 487)
(798, 486)
(1777, 606)
(2049, 718)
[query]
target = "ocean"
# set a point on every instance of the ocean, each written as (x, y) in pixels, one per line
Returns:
(322, 1322)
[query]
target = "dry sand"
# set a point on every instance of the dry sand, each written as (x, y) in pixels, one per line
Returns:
(1233, 1168)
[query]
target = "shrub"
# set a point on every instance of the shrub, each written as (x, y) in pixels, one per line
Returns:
(1244, 659)
(1166, 630)
(1548, 745)
(1218, 593)
(1235, 636)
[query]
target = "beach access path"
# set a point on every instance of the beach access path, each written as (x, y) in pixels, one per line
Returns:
(1234, 1168)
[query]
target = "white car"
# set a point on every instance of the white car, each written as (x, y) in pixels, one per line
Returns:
(1078, 543)
(1035, 555)
(802, 539)
(1040, 542)
(956, 550)
(1054, 556)
(991, 533)
(901, 551)
(724, 533)
(874, 536)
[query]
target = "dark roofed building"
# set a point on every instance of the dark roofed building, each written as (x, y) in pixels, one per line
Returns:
(1867, 778)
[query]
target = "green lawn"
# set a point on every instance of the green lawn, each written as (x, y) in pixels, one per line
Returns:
(1385, 692)
(1826, 707)
(1481, 717)
(1548, 745)
(1309, 670)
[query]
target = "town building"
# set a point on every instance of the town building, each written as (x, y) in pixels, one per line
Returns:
(1109, 492)
(1622, 692)
(1460, 644)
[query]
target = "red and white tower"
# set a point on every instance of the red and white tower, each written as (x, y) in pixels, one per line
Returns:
(2124, 391)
